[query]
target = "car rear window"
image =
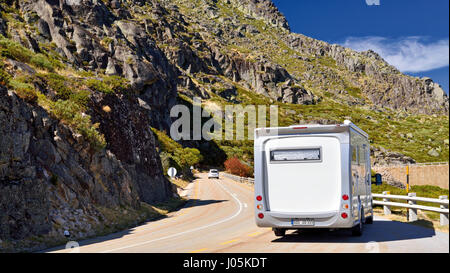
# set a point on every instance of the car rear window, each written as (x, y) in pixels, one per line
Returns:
(310, 154)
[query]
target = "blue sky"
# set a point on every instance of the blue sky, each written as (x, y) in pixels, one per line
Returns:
(412, 35)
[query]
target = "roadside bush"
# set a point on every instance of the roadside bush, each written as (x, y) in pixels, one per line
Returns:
(236, 167)
(174, 155)
(186, 157)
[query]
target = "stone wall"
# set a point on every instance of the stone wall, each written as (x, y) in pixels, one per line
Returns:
(419, 174)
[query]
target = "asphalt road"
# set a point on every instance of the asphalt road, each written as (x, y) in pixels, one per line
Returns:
(219, 218)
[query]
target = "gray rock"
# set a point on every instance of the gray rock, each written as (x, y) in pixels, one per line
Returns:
(44, 29)
(433, 152)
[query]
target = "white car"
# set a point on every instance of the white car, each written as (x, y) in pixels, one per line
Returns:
(213, 173)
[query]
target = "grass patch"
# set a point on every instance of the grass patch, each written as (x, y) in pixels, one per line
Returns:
(72, 114)
(421, 191)
(108, 84)
(424, 218)
(13, 50)
(24, 89)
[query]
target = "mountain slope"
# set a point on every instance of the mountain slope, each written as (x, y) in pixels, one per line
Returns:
(83, 82)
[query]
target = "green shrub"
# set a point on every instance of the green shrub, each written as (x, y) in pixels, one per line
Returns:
(186, 157)
(41, 61)
(24, 90)
(165, 142)
(4, 76)
(14, 50)
(174, 155)
(81, 97)
(116, 83)
(99, 85)
(108, 84)
(58, 84)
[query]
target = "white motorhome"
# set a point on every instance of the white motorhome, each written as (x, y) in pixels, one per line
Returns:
(312, 176)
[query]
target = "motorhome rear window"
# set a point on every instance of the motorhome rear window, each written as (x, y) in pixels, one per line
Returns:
(296, 155)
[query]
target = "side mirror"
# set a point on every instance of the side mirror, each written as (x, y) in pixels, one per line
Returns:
(378, 180)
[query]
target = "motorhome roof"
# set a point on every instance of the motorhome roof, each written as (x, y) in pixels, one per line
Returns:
(311, 128)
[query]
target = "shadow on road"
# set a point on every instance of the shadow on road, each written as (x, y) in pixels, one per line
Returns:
(379, 231)
(199, 202)
(120, 234)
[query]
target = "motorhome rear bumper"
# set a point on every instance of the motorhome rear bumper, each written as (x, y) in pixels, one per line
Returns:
(329, 219)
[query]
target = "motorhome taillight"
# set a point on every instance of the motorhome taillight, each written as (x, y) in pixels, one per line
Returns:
(260, 215)
(300, 128)
(260, 207)
(344, 215)
(345, 197)
(259, 197)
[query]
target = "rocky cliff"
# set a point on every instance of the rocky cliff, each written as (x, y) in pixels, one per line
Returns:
(83, 82)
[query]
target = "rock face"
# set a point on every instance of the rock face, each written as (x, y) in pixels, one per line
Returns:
(93, 36)
(130, 139)
(162, 47)
(50, 179)
(382, 83)
(381, 157)
(262, 9)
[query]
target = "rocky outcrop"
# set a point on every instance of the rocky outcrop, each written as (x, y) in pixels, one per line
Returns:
(263, 10)
(382, 83)
(94, 36)
(400, 92)
(51, 180)
(126, 127)
(381, 157)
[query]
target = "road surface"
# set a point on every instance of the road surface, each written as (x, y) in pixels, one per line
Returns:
(219, 218)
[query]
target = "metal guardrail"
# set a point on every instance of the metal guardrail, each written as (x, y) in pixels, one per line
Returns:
(239, 178)
(412, 205)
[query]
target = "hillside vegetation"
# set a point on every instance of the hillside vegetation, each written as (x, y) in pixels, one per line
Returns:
(86, 90)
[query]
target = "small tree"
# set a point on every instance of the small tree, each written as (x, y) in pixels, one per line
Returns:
(236, 167)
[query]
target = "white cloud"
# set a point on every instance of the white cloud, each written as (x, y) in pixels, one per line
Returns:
(408, 54)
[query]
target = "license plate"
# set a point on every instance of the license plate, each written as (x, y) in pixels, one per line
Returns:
(302, 222)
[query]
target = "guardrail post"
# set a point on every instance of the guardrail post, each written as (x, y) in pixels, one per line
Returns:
(443, 216)
(387, 209)
(412, 212)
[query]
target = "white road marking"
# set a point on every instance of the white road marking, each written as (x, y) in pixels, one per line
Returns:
(372, 247)
(245, 205)
(188, 231)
